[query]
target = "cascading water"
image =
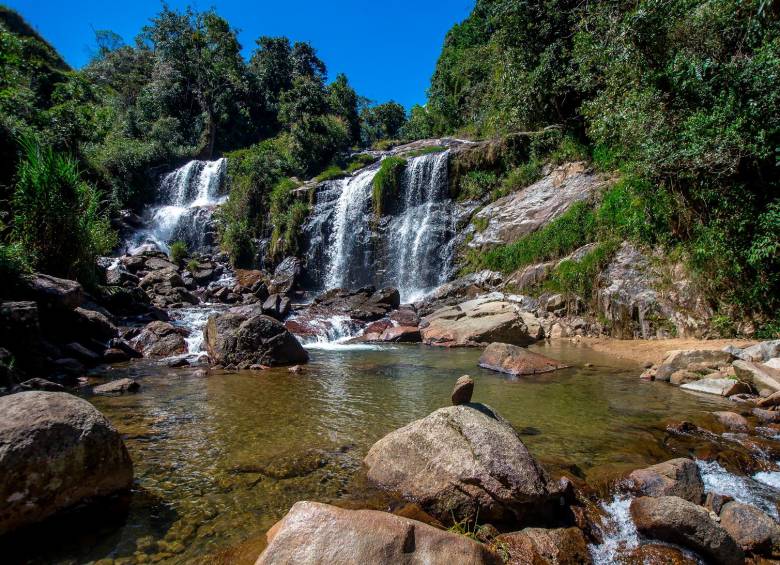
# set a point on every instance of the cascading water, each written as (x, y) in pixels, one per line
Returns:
(188, 197)
(411, 248)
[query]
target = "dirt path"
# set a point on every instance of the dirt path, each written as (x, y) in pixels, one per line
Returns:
(654, 350)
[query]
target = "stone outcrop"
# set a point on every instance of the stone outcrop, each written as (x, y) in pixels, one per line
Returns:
(244, 340)
(676, 477)
(563, 546)
(482, 320)
(458, 460)
(160, 339)
(314, 533)
(56, 451)
(751, 528)
(365, 305)
(758, 374)
(514, 360)
(717, 386)
(674, 520)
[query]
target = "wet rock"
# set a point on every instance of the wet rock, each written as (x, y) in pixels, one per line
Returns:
(657, 554)
(464, 388)
(115, 355)
(56, 451)
(160, 339)
(118, 386)
(676, 477)
(169, 276)
(286, 276)
(714, 501)
(682, 358)
(482, 320)
(401, 334)
(683, 376)
(18, 317)
(674, 520)
(664, 372)
(563, 546)
(95, 324)
(231, 338)
(177, 363)
(295, 369)
(366, 304)
(277, 306)
(506, 358)
(760, 376)
(405, 317)
(389, 297)
(732, 421)
(54, 293)
(767, 416)
(157, 264)
(751, 528)
(314, 533)
(42, 384)
(120, 276)
(83, 354)
(69, 366)
(458, 460)
(720, 387)
(770, 400)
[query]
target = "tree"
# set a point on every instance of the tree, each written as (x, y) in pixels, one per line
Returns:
(383, 121)
(343, 102)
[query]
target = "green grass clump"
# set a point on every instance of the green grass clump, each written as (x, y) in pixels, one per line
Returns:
(476, 184)
(287, 216)
(386, 181)
(425, 151)
(178, 252)
(579, 278)
(359, 161)
(193, 265)
(331, 173)
(480, 223)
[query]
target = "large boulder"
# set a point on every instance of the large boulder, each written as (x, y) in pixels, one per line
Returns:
(52, 292)
(313, 533)
(482, 320)
(514, 360)
(681, 358)
(56, 451)
(286, 276)
(718, 386)
(676, 477)
(562, 546)
(234, 339)
(674, 520)
(365, 304)
(762, 352)
(751, 528)
(460, 460)
(759, 375)
(160, 339)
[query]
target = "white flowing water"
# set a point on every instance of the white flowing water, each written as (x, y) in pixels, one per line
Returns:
(188, 197)
(748, 490)
(620, 533)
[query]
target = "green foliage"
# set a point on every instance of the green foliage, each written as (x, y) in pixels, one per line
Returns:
(178, 252)
(635, 209)
(383, 121)
(520, 177)
(287, 215)
(386, 183)
(476, 184)
(58, 220)
(578, 277)
(193, 265)
(480, 223)
(425, 151)
(359, 161)
(331, 173)
(13, 262)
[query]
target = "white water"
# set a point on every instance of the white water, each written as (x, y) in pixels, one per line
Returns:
(188, 195)
(770, 478)
(747, 490)
(620, 533)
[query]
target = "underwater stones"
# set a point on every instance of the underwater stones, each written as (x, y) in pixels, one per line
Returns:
(506, 358)
(751, 528)
(313, 533)
(56, 450)
(464, 388)
(674, 520)
(563, 546)
(676, 477)
(458, 460)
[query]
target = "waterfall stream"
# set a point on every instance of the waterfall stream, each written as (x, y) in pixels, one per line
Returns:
(187, 199)
(410, 248)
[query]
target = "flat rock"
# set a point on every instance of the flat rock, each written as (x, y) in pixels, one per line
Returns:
(514, 360)
(760, 376)
(313, 533)
(458, 460)
(720, 387)
(401, 334)
(118, 386)
(53, 292)
(681, 358)
(676, 477)
(56, 451)
(674, 520)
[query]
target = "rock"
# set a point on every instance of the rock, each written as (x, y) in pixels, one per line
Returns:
(657, 554)
(664, 372)
(378, 327)
(751, 528)
(249, 278)
(18, 317)
(405, 317)
(69, 366)
(295, 369)
(460, 460)
(157, 264)
(160, 339)
(95, 324)
(763, 351)
(119, 276)
(78, 351)
(314, 533)
(463, 288)
(773, 363)
(562, 546)
(676, 477)
(674, 520)
(178, 362)
(514, 360)
(482, 320)
(51, 292)
(732, 421)
(714, 501)
(286, 276)
(231, 338)
(56, 451)
(115, 355)
(169, 276)
(721, 387)
(682, 377)
(277, 306)
(42, 384)
(464, 388)
(772, 399)
(365, 304)
(401, 334)
(767, 416)
(681, 358)
(389, 297)
(119, 386)
(760, 376)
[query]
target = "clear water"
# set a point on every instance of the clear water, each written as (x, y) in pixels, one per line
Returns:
(220, 457)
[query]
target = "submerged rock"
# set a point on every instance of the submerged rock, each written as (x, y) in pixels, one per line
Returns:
(464, 388)
(506, 358)
(56, 450)
(674, 520)
(676, 477)
(118, 386)
(314, 533)
(460, 460)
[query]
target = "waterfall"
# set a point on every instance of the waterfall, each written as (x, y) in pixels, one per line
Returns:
(187, 198)
(411, 248)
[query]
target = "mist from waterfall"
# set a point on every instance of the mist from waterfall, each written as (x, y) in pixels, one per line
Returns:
(187, 198)
(410, 248)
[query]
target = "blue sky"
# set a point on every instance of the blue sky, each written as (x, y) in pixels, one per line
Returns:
(388, 49)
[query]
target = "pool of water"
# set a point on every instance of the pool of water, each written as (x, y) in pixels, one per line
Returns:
(220, 457)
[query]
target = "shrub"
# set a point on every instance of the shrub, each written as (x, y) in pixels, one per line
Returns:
(386, 182)
(579, 278)
(359, 161)
(331, 173)
(520, 177)
(287, 215)
(476, 184)
(193, 265)
(178, 252)
(58, 220)
(13, 261)
(425, 151)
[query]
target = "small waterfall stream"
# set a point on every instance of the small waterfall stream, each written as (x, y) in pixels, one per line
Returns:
(187, 199)
(411, 248)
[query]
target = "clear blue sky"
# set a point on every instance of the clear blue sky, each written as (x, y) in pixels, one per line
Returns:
(387, 48)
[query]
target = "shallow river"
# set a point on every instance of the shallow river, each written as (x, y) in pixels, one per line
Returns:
(219, 458)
